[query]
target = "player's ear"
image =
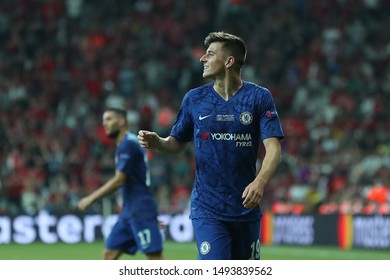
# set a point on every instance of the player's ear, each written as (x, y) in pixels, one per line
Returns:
(122, 121)
(229, 61)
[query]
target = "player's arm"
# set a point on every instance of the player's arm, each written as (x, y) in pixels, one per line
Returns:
(253, 193)
(109, 187)
(168, 145)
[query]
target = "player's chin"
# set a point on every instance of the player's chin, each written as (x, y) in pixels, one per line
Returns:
(206, 75)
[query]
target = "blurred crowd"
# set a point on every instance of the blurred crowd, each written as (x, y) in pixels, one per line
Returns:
(326, 62)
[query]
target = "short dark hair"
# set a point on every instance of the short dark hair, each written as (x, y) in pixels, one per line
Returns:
(120, 112)
(233, 44)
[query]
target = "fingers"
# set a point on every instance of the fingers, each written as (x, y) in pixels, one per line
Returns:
(247, 198)
(80, 206)
(161, 225)
(83, 204)
(142, 134)
(251, 199)
(147, 139)
(250, 204)
(245, 192)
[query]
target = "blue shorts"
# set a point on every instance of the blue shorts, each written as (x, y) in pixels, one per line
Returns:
(222, 240)
(128, 236)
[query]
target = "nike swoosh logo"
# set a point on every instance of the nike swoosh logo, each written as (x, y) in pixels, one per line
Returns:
(204, 117)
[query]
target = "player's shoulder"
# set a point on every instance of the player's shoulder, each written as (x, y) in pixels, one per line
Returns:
(255, 88)
(203, 89)
(130, 136)
(130, 141)
(194, 95)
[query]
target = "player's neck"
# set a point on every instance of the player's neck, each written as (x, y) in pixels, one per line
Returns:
(228, 87)
(120, 136)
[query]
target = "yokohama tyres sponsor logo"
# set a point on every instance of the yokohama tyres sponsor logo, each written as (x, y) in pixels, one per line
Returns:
(231, 137)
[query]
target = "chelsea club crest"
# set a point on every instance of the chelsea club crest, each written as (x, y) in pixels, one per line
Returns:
(246, 118)
(205, 247)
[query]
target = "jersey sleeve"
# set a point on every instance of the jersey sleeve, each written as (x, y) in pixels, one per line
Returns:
(125, 156)
(183, 128)
(270, 125)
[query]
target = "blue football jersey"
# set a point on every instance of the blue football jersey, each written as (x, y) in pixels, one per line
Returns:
(138, 201)
(226, 137)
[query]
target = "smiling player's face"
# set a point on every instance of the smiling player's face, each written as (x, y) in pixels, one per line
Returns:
(111, 124)
(213, 61)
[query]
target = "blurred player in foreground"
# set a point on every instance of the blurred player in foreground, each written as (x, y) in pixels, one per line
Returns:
(137, 227)
(226, 119)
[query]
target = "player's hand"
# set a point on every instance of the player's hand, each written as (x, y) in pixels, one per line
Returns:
(252, 195)
(148, 139)
(84, 203)
(161, 225)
